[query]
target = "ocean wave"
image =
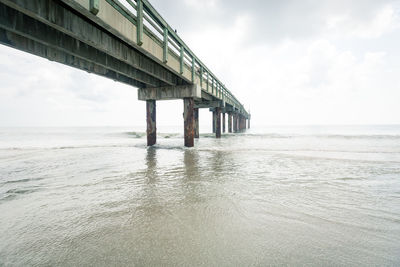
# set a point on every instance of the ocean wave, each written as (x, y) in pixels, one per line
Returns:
(64, 147)
(16, 192)
(328, 136)
(140, 135)
(135, 134)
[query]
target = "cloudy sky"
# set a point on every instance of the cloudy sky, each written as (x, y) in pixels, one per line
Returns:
(288, 61)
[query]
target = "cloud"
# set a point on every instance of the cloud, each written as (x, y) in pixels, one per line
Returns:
(275, 21)
(289, 61)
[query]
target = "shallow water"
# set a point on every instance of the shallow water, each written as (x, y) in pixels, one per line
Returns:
(270, 196)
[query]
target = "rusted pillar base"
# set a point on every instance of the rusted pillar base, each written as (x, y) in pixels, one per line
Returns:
(151, 122)
(214, 113)
(188, 116)
(223, 122)
(229, 122)
(196, 123)
(218, 123)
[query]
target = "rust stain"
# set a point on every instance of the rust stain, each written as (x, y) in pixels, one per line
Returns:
(151, 122)
(188, 115)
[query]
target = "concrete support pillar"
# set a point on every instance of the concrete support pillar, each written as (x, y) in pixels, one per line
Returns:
(214, 118)
(188, 116)
(234, 122)
(151, 122)
(223, 122)
(248, 123)
(196, 123)
(229, 122)
(218, 123)
(237, 123)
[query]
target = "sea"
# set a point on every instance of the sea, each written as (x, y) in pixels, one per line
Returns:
(269, 196)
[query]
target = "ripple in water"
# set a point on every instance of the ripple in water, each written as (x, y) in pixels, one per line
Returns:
(267, 197)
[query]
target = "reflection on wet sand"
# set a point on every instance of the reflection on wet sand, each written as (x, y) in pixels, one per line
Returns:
(252, 201)
(151, 164)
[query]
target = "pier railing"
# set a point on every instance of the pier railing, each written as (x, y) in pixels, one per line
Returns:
(148, 21)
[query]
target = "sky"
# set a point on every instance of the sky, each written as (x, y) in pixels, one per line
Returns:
(289, 62)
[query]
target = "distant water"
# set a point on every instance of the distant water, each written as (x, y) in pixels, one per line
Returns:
(311, 196)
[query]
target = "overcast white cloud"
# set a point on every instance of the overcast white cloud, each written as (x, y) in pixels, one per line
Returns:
(290, 62)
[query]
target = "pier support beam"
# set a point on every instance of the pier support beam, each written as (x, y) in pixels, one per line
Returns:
(151, 122)
(188, 116)
(223, 122)
(218, 123)
(248, 123)
(229, 122)
(214, 120)
(196, 123)
(235, 123)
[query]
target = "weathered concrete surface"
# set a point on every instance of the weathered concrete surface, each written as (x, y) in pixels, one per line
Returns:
(170, 92)
(223, 122)
(218, 123)
(241, 123)
(229, 122)
(214, 120)
(188, 115)
(228, 109)
(42, 20)
(235, 126)
(17, 41)
(151, 122)
(196, 123)
(208, 104)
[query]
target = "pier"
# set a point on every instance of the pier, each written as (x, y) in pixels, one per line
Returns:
(127, 41)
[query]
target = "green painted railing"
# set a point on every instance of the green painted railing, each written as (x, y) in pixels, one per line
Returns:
(169, 39)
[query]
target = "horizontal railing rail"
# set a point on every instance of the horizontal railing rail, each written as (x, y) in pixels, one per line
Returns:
(147, 18)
